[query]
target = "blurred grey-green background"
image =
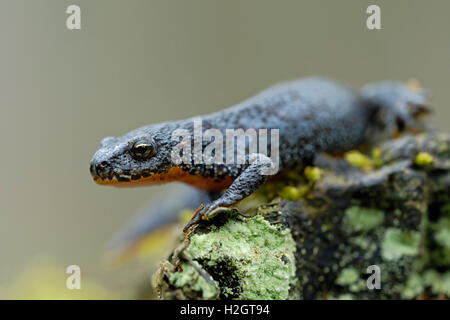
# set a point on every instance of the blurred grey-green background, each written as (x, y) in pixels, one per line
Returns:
(142, 61)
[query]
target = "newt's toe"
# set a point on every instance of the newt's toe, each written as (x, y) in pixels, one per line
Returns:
(195, 218)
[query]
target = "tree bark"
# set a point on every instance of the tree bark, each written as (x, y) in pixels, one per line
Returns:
(357, 220)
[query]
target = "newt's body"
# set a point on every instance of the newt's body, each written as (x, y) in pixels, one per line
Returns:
(313, 115)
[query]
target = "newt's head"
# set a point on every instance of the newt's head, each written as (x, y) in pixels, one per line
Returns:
(141, 156)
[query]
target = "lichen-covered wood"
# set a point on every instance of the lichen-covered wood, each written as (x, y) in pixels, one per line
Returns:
(313, 233)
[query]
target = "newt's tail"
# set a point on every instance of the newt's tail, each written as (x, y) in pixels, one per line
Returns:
(153, 231)
(397, 104)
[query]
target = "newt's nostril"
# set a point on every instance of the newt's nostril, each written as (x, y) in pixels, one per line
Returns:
(102, 167)
(98, 169)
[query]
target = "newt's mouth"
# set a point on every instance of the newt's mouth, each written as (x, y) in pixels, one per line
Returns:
(145, 178)
(113, 179)
(105, 175)
(127, 179)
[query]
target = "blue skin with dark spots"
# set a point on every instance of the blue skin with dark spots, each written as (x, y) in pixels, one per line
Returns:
(313, 115)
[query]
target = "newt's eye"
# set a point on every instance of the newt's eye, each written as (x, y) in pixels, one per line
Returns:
(143, 149)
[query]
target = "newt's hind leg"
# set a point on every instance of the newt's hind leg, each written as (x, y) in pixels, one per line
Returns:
(398, 104)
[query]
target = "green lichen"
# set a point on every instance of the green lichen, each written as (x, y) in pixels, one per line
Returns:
(376, 155)
(191, 279)
(361, 242)
(350, 277)
(395, 217)
(358, 159)
(445, 209)
(313, 173)
(440, 257)
(362, 219)
(442, 232)
(414, 287)
(259, 254)
(271, 190)
(437, 283)
(291, 193)
(347, 276)
(423, 159)
(397, 243)
(294, 175)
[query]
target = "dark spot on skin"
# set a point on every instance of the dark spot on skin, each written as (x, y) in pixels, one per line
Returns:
(313, 115)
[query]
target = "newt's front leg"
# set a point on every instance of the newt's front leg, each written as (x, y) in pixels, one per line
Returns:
(255, 175)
